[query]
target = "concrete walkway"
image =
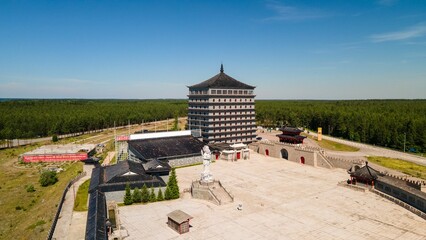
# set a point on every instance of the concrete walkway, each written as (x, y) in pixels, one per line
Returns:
(72, 225)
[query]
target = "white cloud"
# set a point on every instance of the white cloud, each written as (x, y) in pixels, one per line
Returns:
(291, 13)
(408, 33)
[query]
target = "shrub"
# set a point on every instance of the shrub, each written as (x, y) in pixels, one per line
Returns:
(55, 138)
(160, 195)
(128, 196)
(137, 197)
(145, 194)
(48, 178)
(152, 197)
(30, 188)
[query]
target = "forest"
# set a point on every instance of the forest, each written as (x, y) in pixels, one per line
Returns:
(387, 123)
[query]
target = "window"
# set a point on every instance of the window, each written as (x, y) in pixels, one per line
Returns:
(245, 92)
(213, 91)
(219, 91)
(235, 92)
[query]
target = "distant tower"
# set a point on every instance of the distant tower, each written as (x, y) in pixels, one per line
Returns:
(223, 108)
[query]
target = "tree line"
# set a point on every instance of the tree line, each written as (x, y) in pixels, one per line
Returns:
(387, 123)
(40, 118)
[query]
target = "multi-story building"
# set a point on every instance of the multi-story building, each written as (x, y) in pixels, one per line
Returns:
(222, 109)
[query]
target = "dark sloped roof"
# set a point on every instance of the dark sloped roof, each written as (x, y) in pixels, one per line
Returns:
(121, 168)
(168, 147)
(222, 80)
(156, 166)
(95, 179)
(96, 217)
(291, 130)
(365, 172)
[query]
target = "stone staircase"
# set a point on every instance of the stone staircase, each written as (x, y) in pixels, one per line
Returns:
(213, 192)
(221, 194)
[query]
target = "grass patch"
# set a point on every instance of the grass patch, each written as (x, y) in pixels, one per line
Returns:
(80, 203)
(29, 213)
(334, 146)
(406, 167)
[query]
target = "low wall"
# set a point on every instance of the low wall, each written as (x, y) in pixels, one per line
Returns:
(179, 162)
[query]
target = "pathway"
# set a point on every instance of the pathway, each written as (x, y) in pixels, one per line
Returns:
(69, 226)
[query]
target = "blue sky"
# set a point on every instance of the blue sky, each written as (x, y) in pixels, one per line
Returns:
(361, 49)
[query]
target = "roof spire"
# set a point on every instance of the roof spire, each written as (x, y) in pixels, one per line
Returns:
(221, 68)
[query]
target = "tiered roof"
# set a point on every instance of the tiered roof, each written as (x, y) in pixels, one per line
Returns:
(222, 80)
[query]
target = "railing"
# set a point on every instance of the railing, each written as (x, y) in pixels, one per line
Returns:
(401, 203)
(215, 197)
(232, 197)
(61, 203)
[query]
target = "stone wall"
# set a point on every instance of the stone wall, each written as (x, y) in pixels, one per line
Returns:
(411, 199)
(312, 156)
(185, 161)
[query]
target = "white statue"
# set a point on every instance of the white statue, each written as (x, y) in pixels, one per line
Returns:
(206, 176)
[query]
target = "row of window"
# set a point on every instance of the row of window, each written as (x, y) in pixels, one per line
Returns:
(221, 100)
(197, 125)
(222, 113)
(222, 107)
(223, 119)
(222, 91)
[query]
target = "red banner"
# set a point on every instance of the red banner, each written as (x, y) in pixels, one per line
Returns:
(122, 138)
(55, 157)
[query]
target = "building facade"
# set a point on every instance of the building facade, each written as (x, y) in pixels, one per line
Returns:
(222, 110)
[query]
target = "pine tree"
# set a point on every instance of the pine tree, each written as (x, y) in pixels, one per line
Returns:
(152, 197)
(145, 194)
(160, 195)
(172, 185)
(137, 196)
(167, 193)
(128, 196)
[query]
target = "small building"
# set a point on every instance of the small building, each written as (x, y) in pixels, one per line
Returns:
(291, 135)
(179, 221)
(365, 174)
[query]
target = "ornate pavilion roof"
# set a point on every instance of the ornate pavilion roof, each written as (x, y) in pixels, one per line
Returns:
(222, 80)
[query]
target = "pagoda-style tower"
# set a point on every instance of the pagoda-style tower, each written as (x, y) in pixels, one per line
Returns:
(222, 109)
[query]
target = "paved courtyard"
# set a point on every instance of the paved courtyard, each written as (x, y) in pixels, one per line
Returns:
(281, 200)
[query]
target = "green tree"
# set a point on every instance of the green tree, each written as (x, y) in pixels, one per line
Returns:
(55, 138)
(167, 193)
(173, 185)
(160, 195)
(48, 178)
(137, 196)
(128, 196)
(145, 194)
(152, 197)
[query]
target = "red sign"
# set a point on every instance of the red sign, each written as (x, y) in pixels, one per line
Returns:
(55, 157)
(122, 138)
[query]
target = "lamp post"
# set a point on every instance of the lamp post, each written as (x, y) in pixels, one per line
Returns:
(405, 138)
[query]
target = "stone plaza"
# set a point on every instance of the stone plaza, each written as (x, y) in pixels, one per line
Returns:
(280, 200)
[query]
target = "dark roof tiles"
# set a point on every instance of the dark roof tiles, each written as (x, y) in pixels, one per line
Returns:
(163, 148)
(222, 80)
